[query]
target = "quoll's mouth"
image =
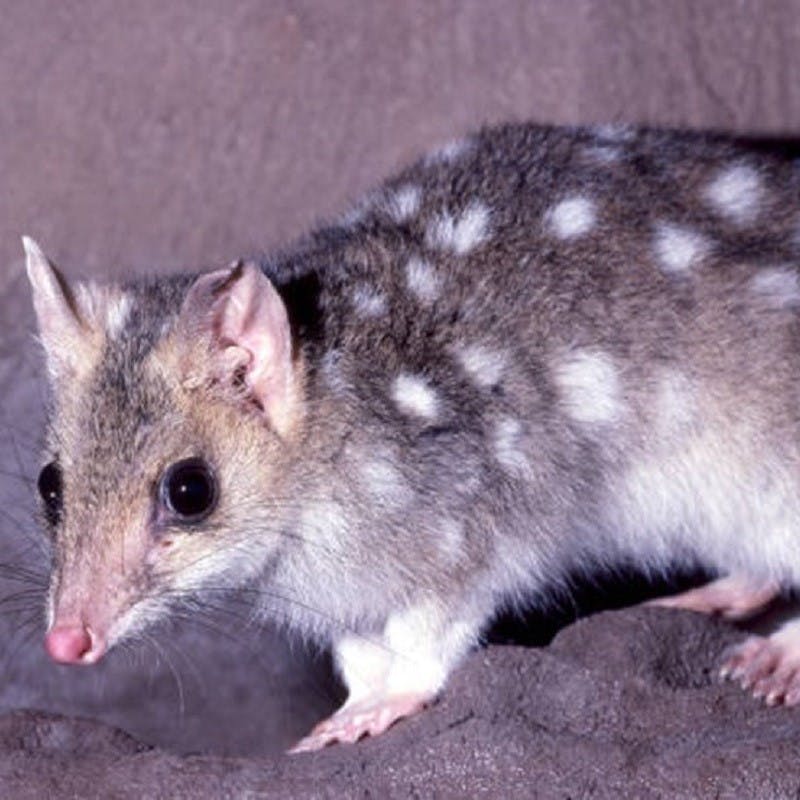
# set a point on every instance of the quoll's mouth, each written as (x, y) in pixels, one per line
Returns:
(74, 644)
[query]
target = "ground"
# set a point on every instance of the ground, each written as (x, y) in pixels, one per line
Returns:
(625, 704)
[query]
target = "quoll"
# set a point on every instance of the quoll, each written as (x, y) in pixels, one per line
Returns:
(535, 348)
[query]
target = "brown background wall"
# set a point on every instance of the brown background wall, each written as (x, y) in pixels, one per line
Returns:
(147, 134)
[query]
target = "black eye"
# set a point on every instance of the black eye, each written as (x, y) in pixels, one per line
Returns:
(50, 489)
(189, 489)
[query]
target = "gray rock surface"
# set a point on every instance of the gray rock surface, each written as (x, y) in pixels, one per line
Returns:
(620, 705)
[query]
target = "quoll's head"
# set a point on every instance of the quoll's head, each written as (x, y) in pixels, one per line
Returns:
(174, 407)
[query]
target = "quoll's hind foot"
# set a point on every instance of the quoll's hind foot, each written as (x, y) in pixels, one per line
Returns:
(366, 717)
(733, 597)
(769, 667)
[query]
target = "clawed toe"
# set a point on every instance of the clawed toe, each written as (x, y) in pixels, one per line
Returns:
(358, 720)
(768, 668)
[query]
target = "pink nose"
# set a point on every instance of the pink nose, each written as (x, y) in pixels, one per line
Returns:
(73, 644)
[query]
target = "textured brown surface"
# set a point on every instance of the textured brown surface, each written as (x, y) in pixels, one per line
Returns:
(146, 135)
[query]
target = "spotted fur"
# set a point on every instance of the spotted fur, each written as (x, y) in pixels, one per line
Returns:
(536, 347)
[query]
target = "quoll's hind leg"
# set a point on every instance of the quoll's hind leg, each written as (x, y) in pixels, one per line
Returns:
(393, 676)
(733, 597)
(768, 666)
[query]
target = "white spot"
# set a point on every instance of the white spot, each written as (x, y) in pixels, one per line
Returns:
(404, 203)
(451, 539)
(614, 132)
(331, 371)
(449, 152)
(572, 217)
(323, 523)
(736, 193)
(422, 280)
(779, 286)
(368, 302)
(383, 480)
(603, 154)
(414, 396)
(118, 313)
(675, 406)
(484, 366)
(678, 249)
(506, 440)
(590, 387)
(460, 235)
(360, 210)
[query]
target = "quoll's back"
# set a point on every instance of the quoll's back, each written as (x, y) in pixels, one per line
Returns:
(536, 348)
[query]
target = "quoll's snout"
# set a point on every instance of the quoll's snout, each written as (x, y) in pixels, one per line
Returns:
(74, 644)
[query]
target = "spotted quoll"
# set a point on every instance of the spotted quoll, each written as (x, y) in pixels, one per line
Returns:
(535, 348)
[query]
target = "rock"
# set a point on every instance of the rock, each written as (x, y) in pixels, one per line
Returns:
(620, 705)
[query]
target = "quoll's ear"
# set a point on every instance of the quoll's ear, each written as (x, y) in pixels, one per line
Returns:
(65, 333)
(244, 318)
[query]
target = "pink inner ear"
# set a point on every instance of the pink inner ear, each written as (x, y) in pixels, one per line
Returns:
(251, 317)
(244, 320)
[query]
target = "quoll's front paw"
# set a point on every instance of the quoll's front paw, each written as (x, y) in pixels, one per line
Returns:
(367, 717)
(768, 667)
